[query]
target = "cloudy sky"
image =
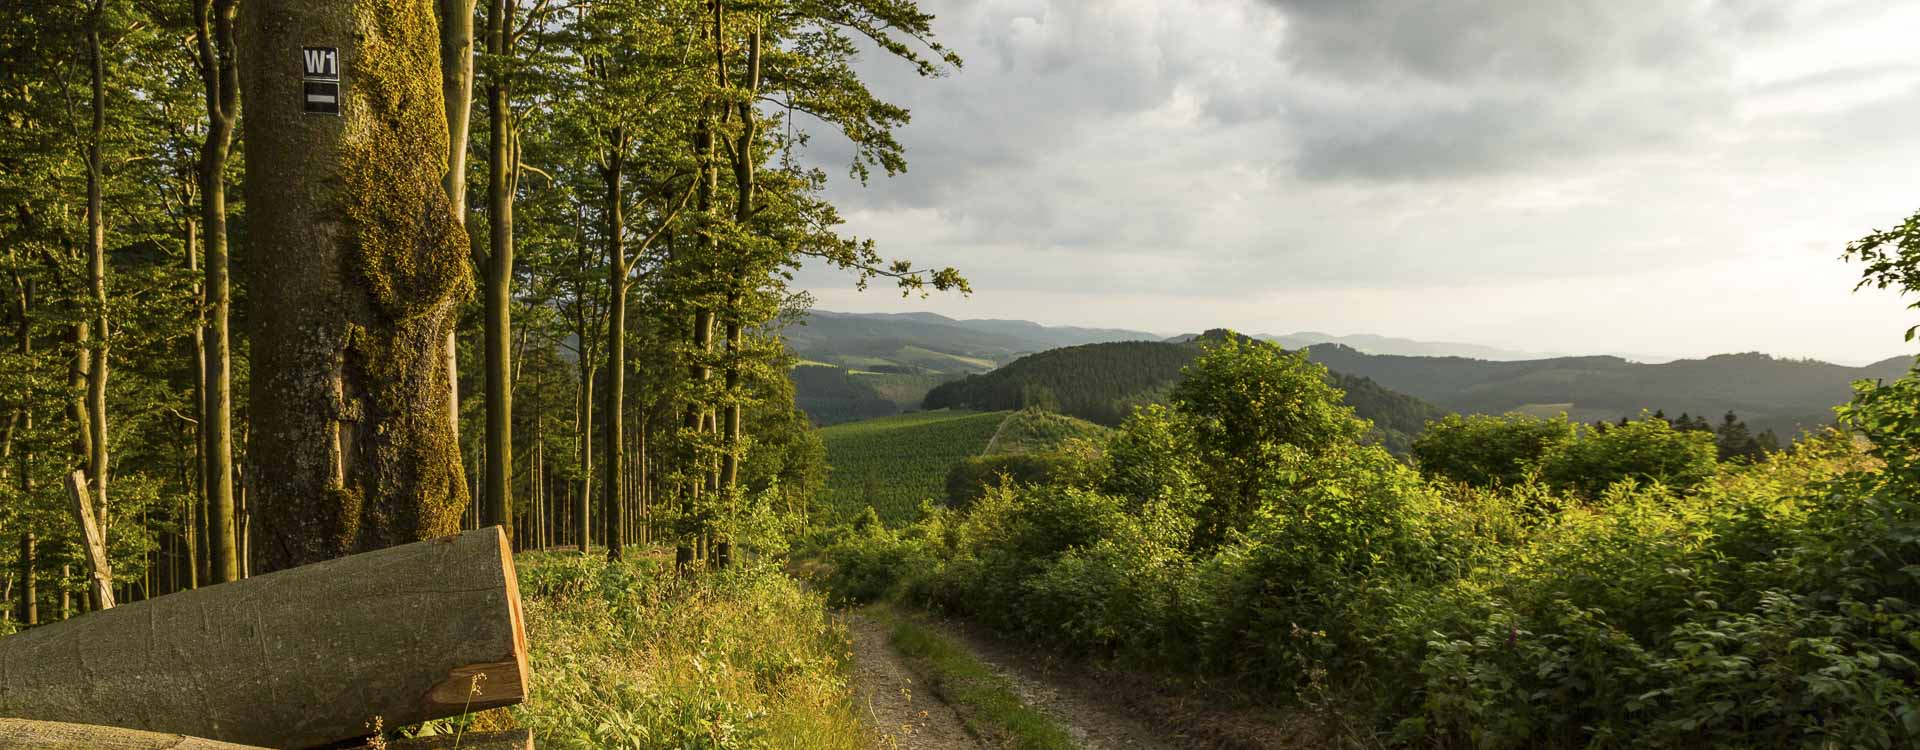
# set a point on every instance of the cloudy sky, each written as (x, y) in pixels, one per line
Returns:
(1654, 177)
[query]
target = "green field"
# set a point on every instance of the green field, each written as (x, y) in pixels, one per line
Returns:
(894, 463)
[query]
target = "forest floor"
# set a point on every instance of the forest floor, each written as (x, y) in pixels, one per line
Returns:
(1100, 708)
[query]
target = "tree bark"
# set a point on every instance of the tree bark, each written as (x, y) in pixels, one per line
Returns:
(298, 658)
(358, 272)
(214, 21)
(26, 734)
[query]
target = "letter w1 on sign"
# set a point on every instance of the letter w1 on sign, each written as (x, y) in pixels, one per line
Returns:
(322, 89)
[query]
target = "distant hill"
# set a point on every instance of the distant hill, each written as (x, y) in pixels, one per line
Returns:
(1372, 344)
(858, 365)
(1102, 383)
(933, 343)
(1786, 395)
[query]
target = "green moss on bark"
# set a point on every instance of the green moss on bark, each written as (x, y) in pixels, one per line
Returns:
(408, 257)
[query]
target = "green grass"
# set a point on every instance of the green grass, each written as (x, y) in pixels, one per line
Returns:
(986, 700)
(1036, 431)
(894, 463)
(631, 656)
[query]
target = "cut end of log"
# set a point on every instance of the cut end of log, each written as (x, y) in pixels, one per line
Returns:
(513, 604)
(476, 687)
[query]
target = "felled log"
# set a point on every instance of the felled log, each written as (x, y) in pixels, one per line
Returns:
(25, 734)
(302, 657)
(518, 739)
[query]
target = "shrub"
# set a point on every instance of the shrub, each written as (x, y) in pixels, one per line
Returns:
(1485, 451)
(1646, 450)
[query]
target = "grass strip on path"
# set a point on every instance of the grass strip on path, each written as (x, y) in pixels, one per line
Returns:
(986, 701)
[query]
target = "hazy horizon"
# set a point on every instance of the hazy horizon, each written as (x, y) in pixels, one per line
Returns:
(1665, 180)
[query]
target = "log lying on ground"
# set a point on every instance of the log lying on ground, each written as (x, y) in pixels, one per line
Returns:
(26, 734)
(518, 739)
(302, 657)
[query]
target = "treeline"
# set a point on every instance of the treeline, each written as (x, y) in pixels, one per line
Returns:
(635, 191)
(1532, 585)
(1104, 383)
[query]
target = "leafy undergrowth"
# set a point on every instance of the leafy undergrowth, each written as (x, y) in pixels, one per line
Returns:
(631, 656)
(986, 701)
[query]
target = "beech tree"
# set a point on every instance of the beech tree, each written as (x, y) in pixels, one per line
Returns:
(364, 262)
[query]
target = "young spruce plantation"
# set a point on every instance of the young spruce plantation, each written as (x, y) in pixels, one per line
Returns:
(467, 391)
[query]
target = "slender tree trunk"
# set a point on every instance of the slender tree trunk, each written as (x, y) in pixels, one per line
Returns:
(359, 270)
(97, 269)
(616, 344)
(456, 86)
(583, 506)
(29, 545)
(193, 504)
(497, 272)
(214, 19)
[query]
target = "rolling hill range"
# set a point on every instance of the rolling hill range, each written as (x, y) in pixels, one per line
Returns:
(1102, 383)
(858, 366)
(1783, 394)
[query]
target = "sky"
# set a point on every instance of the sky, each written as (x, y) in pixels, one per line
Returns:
(1654, 177)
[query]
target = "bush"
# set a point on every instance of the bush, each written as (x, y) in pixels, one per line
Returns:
(969, 478)
(1485, 451)
(1646, 450)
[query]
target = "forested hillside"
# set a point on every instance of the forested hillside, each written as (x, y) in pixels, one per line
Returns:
(1784, 395)
(1103, 383)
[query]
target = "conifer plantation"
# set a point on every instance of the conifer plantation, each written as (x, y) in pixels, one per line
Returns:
(446, 373)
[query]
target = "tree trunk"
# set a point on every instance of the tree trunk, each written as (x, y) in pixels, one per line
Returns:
(358, 271)
(456, 86)
(304, 657)
(29, 545)
(214, 19)
(583, 506)
(497, 272)
(616, 346)
(97, 275)
(25, 734)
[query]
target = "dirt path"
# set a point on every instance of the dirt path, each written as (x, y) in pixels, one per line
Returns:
(1101, 709)
(1113, 710)
(1097, 719)
(901, 713)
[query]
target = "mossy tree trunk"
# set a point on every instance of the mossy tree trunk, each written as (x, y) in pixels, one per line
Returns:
(213, 21)
(359, 267)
